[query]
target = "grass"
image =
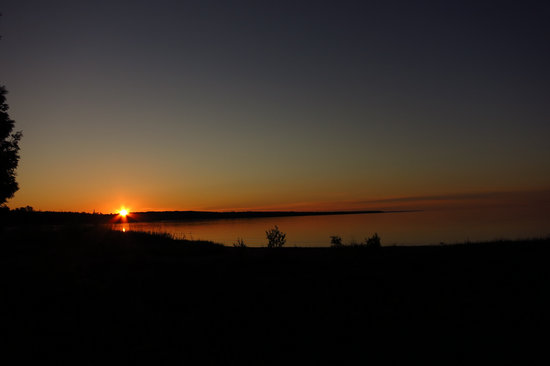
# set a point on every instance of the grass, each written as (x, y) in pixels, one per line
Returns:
(92, 296)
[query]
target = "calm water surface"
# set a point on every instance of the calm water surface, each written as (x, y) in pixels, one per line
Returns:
(407, 228)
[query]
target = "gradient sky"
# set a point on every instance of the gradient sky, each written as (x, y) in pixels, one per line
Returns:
(177, 105)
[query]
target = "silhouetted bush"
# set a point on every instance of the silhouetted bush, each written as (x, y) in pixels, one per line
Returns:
(275, 238)
(336, 241)
(373, 241)
(25, 209)
(239, 243)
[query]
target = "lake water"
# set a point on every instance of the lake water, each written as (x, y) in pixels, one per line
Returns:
(404, 228)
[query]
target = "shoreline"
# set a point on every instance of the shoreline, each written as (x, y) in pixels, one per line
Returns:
(56, 217)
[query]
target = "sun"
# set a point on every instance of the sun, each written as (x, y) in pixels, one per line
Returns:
(123, 212)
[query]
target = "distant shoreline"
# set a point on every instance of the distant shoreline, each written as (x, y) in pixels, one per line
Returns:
(59, 218)
(216, 215)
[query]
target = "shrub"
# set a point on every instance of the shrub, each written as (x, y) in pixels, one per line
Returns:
(275, 238)
(373, 241)
(335, 241)
(239, 243)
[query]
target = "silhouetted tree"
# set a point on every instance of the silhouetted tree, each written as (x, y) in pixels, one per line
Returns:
(25, 209)
(9, 151)
(335, 241)
(275, 238)
(373, 241)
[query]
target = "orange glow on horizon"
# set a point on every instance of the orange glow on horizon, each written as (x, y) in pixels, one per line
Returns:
(126, 208)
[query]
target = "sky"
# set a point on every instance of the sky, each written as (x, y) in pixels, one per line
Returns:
(302, 105)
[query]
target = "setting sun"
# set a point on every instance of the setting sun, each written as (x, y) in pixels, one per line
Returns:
(123, 212)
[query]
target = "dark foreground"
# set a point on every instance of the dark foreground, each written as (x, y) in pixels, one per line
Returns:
(90, 297)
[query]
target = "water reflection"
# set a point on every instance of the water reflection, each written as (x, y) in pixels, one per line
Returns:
(407, 228)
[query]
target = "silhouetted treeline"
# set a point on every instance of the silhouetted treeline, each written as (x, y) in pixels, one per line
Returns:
(27, 215)
(210, 215)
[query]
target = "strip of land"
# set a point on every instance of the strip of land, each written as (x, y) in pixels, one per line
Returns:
(59, 218)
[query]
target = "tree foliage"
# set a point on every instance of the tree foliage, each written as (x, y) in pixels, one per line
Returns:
(336, 241)
(275, 238)
(9, 151)
(373, 241)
